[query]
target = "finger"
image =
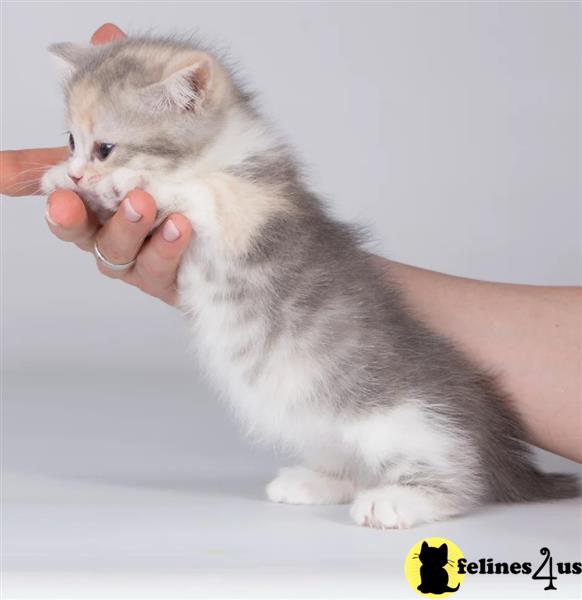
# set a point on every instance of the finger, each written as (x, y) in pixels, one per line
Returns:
(69, 220)
(121, 238)
(21, 170)
(157, 263)
(107, 33)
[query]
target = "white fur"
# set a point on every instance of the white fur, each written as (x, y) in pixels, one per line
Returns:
(112, 188)
(299, 485)
(56, 177)
(389, 434)
(242, 137)
(400, 507)
(102, 192)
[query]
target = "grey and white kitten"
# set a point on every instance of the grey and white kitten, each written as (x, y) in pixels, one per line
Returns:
(311, 345)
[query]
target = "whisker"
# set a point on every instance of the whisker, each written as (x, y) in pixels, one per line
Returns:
(17, 176)
(35, 162)
(34, 167)
(35, 191)
(22, 185)
(31, 176)
(39, 168)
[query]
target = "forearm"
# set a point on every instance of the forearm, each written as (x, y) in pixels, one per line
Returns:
(531, 336)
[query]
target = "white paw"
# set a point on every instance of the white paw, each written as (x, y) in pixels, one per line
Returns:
(398, 507)
(112, 188)
(300, 485)
(56, 177)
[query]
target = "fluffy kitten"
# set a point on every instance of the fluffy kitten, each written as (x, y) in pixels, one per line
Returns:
(309, 342)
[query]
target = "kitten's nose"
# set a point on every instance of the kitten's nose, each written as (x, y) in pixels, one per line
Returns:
(75, 179)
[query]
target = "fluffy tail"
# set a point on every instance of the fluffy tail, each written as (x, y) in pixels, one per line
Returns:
(525, 483)
(555, 486)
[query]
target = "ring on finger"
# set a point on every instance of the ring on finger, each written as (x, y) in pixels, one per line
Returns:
(110, 265)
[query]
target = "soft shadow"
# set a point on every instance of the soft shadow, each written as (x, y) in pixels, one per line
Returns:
(251, 487)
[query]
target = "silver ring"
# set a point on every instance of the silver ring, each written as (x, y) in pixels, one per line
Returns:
(110, 265)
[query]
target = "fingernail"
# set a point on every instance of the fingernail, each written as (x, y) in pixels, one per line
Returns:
(47, 216)
(170, 232)
(130, 213)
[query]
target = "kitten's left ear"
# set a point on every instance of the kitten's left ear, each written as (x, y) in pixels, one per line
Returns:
(188, 82)
(70, 56)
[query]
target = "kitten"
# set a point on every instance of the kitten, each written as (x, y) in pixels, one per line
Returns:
(313, 348)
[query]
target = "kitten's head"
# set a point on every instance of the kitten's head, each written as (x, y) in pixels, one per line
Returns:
(136, 106)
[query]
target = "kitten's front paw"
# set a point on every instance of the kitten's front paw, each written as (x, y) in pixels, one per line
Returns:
(398, 507)
(56, 178)
(112, 189)
(300, 485)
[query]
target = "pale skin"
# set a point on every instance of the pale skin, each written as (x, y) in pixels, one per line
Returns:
(530, 336)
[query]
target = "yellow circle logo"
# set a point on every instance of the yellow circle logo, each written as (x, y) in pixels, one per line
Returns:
(431, 567)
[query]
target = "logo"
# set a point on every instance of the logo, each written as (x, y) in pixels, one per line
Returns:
(435, 568)
(431, 567)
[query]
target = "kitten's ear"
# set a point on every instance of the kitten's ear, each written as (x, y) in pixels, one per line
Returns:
(187, 83)
(424, 546)
(444, 549)
(70, 56)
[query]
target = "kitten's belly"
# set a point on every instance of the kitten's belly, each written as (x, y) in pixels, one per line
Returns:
(276, 393)
(270, 388)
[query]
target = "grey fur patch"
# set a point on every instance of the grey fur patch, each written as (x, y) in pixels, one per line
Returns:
(163, 148)
(275, 168)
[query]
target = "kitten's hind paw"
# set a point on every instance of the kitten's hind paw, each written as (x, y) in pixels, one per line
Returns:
(300, 485)
(399, 507)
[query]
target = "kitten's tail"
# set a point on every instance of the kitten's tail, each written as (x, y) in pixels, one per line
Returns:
(555, 486)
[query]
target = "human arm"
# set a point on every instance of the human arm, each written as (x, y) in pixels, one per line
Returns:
(530, 336)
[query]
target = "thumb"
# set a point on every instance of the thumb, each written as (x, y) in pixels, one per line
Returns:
(107, 33)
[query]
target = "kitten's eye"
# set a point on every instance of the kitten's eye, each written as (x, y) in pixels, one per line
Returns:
(102, 151)
(71, 142)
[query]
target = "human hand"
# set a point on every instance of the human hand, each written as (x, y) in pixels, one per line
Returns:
(123, 236)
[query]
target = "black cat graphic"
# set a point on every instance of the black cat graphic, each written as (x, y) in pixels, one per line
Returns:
(434, 578)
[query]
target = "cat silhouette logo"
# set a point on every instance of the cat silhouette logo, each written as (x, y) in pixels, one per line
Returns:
(431, 570)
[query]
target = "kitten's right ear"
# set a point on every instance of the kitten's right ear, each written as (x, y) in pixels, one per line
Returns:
(70, 56)
(192, 82)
